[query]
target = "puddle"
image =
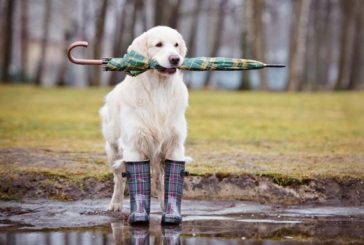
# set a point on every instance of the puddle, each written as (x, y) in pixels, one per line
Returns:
(86, 222)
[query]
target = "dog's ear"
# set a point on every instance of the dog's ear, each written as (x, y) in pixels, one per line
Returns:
(140, 45)
(182, 47)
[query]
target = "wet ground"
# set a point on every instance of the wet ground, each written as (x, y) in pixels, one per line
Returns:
(205, 222)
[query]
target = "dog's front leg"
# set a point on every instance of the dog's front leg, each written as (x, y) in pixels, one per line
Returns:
(116, 203)
(117, 165)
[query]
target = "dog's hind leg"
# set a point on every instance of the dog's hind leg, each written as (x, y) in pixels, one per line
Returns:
(117, 165)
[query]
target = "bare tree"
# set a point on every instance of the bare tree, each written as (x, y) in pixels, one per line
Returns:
(128, 19)
(3, 28)
(84, 20)
(259, 46)
(61, 79)
(8, 40)
(167, 12)
(46, 23)
(246, 41)
(98, 42)
(118, 39)
(357, 61)
(159, 12)
(327, 45)
(320, 46)
(297, 44)
(68, 32)
(217, 37)
(144, 15)
(24, 37)
(348, 9)
(193, 28)
(174, 15)
(134, 15)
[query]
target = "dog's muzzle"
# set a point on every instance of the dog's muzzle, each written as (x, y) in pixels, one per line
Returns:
(169, 71)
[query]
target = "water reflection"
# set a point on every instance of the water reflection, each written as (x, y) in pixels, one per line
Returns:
(142, 235)
(139, 236)
(194, 232)
(171, 235)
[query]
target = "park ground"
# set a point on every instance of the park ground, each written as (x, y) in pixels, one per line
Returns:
(309, 146)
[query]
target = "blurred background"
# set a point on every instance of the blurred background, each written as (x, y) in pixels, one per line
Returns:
(272, 147)
(320, 41)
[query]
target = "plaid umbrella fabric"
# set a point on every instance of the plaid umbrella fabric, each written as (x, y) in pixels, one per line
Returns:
(134, 64)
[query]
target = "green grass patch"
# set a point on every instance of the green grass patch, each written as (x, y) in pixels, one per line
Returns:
(274, 134)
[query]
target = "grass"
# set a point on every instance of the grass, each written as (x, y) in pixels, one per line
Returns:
(301, 136)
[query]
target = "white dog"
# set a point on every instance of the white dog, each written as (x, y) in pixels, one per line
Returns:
(144, 116)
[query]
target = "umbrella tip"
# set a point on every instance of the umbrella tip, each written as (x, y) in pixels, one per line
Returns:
(274, 65)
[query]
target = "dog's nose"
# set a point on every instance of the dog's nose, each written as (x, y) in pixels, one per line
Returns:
(174, 59)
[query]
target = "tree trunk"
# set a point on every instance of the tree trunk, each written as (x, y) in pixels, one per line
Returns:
(175, 14)
(8, 40)
(134, 15)
(259, 47)
(144, 15)
(46, 23)
(347, 7)
(24, 38)
(84, 20)
(246, 42)
(193, 29)
(217, 38)
(357, 57)
(327, 47)
(159, 13)
(298, 44)
(119, 37)
(313, 48)
(2, 26)
(130, 27)
(98, 44)
(69, 30)
(61, 80)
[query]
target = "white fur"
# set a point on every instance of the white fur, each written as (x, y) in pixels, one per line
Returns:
(144, 116)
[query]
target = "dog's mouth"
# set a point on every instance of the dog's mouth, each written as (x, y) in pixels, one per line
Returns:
(168, 71)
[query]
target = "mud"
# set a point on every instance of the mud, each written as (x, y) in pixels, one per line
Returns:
(205, 222)
(30, 173)
(262, 189)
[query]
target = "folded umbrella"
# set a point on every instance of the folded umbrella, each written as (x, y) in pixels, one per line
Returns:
(134, 63)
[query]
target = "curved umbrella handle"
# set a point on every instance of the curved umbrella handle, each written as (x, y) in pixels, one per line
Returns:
(82, 61)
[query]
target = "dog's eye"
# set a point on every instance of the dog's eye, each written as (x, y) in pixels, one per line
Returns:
(176, 45)
(159, 44)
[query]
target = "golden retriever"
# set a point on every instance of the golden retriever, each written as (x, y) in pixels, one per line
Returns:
(144, 116)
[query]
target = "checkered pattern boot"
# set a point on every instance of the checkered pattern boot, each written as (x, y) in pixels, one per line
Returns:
(173, 187)
(138, 174)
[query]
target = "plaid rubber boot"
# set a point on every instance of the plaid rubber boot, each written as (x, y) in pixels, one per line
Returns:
(138, 174)
(173, 187)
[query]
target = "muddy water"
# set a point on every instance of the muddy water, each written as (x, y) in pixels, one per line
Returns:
(86, 222)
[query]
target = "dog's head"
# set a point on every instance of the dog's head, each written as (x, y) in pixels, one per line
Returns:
(163, 44)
